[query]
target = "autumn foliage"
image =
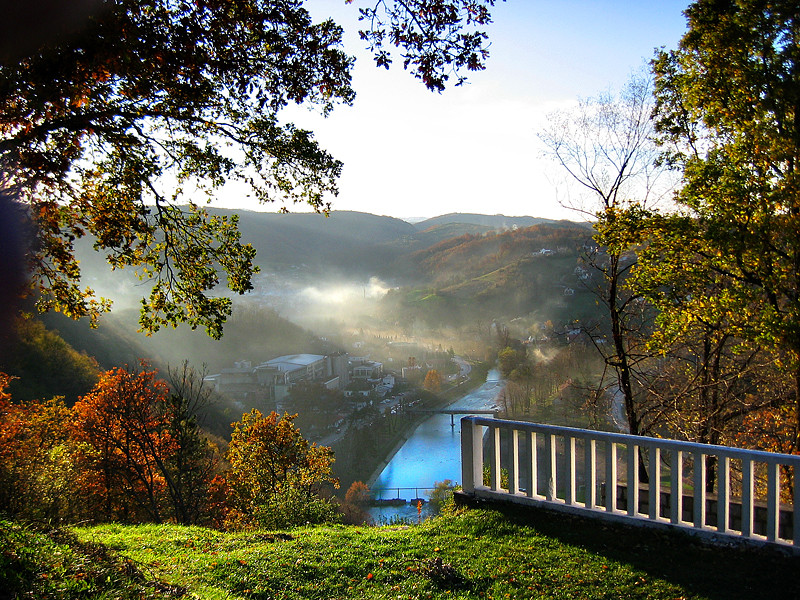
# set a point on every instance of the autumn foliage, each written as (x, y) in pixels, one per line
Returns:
(276, 476)
(433, 381)
(131, 450)
(38, 468)
(125, 438)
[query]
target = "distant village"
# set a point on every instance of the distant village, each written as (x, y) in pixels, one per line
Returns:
(269, 383)
(361, 382)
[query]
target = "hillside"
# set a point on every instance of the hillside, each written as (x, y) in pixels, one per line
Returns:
(346, 241)
(332, 273)
(253, 333)
(44, 365)
(476, 277)
(498, 222)
(478, 554)
(470, 255)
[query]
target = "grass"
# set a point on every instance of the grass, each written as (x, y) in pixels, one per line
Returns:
(41, 562)
(478, 554)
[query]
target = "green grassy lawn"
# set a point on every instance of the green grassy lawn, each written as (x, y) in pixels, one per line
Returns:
(478, 554)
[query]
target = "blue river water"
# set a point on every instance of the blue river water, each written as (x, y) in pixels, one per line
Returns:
(431, 454)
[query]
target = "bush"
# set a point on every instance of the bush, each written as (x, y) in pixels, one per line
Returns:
(355, 504)
(441, 498)
(293, 508)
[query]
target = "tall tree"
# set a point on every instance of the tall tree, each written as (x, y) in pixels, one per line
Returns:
(433, 381)
(606, 147)
(194, 460)
(38, 471)
(122, 129)
(728, 105)
(123, 429)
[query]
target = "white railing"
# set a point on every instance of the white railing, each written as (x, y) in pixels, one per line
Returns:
(716, 490)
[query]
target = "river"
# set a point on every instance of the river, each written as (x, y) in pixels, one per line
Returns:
(431, 454)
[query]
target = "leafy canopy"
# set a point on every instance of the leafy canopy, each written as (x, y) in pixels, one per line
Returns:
(123, 130)
(275, 473)
(728, 264)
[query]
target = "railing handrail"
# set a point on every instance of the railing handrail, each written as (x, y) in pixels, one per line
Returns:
(641, 440)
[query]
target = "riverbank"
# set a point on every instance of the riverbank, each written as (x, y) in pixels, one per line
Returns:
(366, 452)
(476, 378)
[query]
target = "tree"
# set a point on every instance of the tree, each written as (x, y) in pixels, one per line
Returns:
(710, 374)
(38, 472)
(441, 496)
(194, 459)
(727, 103)
(121, 130)
(276, 476)
(44, 365)
(356, 501)
(510, 359)
(146, 456)
(606, 147)
(431, 36)
(120, 422)
(433, 381)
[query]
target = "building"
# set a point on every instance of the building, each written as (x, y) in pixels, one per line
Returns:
(271, 380)
(300, 367)
(340, 367)
(243, 383)
(363, 368)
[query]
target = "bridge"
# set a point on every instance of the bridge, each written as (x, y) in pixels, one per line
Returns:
(395, 496)
(455, 411)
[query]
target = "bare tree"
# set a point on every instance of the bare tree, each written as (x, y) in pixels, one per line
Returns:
(194, 461)
(605, 146)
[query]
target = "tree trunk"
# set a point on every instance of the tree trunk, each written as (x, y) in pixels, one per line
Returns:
(621, 363)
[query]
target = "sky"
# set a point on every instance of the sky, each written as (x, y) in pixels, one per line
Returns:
(412, 153)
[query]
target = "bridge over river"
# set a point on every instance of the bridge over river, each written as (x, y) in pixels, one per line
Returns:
(455, 411)
(432, 453)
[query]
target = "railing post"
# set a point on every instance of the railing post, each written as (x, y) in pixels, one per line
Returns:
(699, 489)
(747, 497)
(611, 476)
(550, 466)
(569, 459)
(590, 477)
(676, 487)
(496, 480)
(633, 479)
(471, 455)
(773, 501)
(654, 495)
(533, 466)
(796, 506)
(513, 475)
(723, 493)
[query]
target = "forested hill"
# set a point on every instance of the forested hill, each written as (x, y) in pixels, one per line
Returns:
(499, 222)
(471, 255)
(354, 242)
(457, 269)
(311, 238)
(505, 275)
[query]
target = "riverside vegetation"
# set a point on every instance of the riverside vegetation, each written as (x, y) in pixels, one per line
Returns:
(466, 554)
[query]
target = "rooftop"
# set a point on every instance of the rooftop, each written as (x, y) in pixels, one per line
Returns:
(291, 362)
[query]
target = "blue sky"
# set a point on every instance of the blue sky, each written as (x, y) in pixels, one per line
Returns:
(408, 152)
